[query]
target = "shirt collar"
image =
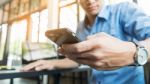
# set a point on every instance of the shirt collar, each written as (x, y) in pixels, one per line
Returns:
(104, 13)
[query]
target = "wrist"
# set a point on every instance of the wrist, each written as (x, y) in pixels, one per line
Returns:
(130, 52)
(141, 55)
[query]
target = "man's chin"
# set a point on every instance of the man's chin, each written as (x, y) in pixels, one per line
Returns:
(93, 13)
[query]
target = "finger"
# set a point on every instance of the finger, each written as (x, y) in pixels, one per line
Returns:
(43, 67)
(92, 63)
(70, 57)
(74, 56)
(28, 67)
(79, 47)
(107, 68)
(79, 56)
(93, 55)
(61, 50)
(32, 65)
(96, 65)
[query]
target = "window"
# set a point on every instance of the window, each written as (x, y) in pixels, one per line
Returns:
(68, 17)
(17, 37)
(66, 2)
(145, 5)
(17, 13)
(39, 24)
(3, 33)
(43, 25)
(118, 1)
(44, 3)
(6, 12)
(70, 13)
(34, 27)
(14, 9)
(35, 4)
(1, 15)
(24, 7)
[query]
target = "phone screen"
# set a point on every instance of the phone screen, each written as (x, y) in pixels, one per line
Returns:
(62, 36)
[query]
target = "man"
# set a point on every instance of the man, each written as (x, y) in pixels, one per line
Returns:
(113, 38)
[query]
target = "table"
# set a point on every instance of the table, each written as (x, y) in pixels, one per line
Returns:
(10, 74)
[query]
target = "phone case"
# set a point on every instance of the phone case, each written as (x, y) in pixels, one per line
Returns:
(62, 36)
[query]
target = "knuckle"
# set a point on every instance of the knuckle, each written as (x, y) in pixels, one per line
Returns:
(97, 44)
(97, 55)
(97, 64)
(108, 64)
(76, 49)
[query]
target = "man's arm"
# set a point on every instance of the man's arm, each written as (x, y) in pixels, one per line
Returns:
(65, 63)
(146, 44)
(50, 64)
(101, 51)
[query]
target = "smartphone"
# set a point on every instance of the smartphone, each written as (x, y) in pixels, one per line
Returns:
(62, 36)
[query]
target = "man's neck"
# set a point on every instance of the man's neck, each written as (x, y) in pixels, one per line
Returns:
(89, 20)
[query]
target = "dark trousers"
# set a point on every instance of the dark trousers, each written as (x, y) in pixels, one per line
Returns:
(147, 73)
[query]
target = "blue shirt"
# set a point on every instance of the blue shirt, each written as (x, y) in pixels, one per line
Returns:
(126, 22)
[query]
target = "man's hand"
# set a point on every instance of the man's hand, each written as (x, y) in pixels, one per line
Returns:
(50, 65)
(101, 51)
(39, 65)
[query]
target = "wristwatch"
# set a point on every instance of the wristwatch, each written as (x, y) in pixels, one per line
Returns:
(141, 55)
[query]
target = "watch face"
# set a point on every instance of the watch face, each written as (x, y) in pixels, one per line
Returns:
(142, 56)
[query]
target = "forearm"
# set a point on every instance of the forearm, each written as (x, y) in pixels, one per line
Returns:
(64, 64)
(146, 44)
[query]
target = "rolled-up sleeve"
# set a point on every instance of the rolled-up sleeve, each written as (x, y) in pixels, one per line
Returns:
(135, 22)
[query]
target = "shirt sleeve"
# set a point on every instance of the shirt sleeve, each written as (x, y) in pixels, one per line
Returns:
(134, 21)
(79, 31)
